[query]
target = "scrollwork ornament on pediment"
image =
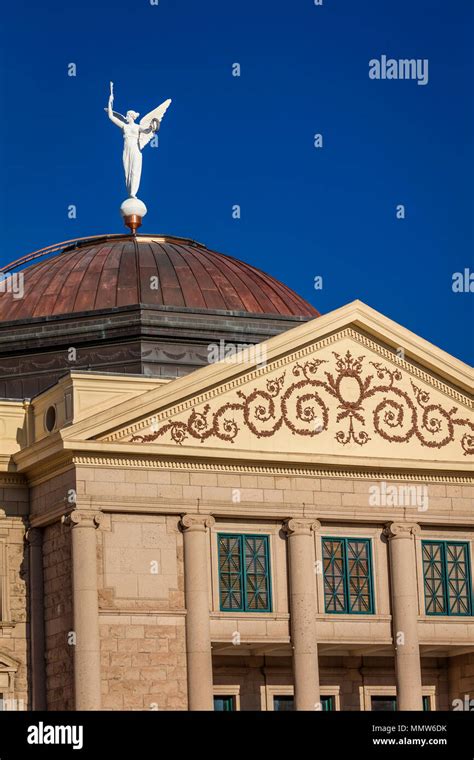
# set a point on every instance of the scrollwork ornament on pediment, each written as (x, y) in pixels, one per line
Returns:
(349, 398)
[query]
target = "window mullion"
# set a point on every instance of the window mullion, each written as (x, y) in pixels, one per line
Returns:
(243, 571)
(347, 604)
(444, 556)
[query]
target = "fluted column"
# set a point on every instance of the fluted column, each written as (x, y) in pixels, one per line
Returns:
(83, 526)
(401, 538)
(303, 612)
(34, 538)
(198, 628)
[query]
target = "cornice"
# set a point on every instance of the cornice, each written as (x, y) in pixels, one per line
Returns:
(48, 471)
(184, 464)
(10, 479)
(257, 510)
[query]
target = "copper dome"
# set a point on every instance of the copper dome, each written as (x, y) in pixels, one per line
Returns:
(115, 271)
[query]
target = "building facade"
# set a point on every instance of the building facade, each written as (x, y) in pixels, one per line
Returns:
(291, 527)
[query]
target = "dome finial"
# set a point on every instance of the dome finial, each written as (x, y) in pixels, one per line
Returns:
(133, 210)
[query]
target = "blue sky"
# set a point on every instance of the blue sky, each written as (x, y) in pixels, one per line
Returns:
(248, 140)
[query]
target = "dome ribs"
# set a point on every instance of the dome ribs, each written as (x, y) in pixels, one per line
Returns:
(150, 289)
(252, 296)
(63, 301)
(34, 286)
(72, 293)
(87, 294)
(127, 281)
(211, 293)
(193, 298)
(276, 291)
(229, 296)
(106, 296)
(190, 283)
(110, 272)
(169, 282)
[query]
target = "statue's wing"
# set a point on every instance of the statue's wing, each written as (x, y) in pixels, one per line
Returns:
(148, 120)
(117, 115)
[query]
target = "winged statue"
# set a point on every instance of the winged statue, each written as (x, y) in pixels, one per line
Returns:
(135, 138)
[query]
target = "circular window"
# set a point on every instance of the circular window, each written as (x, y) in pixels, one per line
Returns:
(50, 419)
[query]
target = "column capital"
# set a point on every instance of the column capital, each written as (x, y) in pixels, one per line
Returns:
(80, 518)
(190, 522)
(296, 526)
(34, 536)
(394, 530)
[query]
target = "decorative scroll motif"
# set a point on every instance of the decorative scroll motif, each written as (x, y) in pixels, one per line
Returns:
(301, 404)
(82, 519)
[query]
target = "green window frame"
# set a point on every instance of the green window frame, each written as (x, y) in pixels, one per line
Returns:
(327, 703)
(224, 703)
(244, 572)
(447, 578)
(348, 577)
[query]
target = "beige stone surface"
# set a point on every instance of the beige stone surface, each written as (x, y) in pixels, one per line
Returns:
(58, 615)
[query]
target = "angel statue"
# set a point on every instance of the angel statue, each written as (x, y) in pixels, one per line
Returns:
(135, 137)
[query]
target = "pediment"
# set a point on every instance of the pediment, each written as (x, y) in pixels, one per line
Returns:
(345, 393)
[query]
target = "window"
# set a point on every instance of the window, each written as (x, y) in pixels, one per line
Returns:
(426, 703)
(283, 703)
(383, 704)
(347, 567)
(327, 703)
(447, 577)
(244, 573)
(224, 703)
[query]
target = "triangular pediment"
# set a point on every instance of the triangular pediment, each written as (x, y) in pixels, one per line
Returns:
(350, 384)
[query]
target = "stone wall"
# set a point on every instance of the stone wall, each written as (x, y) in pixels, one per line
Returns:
(52, 495)
(141, 592)
(143, 662)
(14, 629)
(58, 615)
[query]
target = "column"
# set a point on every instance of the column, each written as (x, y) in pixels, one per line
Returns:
(34, 538)
(86, 608)
(302, 583)
(404, 584)
(198, 628)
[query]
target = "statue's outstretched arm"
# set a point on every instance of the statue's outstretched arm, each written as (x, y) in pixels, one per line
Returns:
(116, 118)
